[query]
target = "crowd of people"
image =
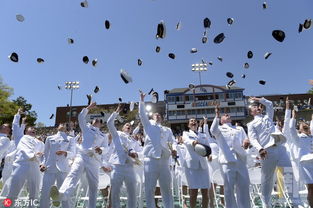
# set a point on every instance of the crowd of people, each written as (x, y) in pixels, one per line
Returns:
(53, 168)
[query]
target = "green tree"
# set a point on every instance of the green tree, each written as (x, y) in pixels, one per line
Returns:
(21, 102)
(310, 91)
(7, 108)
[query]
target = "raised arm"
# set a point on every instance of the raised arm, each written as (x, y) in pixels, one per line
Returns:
(113, 131)
(269, 107)
(17, 129)
(214, 127)
(82, 116)
(142, 112)
(286, 128)
(292, 126)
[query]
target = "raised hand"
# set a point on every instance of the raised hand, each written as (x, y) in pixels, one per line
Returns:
(142, 96)
(217, 110)
(287, 103)
(119, 108)
(92, 105)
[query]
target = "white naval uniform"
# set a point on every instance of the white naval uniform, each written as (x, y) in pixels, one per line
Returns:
(259, 132)
(57, 165)
(196, 166)
(4, 145)
(26, 168)
(233, 158)
(86, 160)
(17, 133)
(156, 161)
(305, 144)
(123, 165)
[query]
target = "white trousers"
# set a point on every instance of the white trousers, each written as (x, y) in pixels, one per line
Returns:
(6, 178)
(49, 179)
(158, 169)
(126, 174)
(90, 165)
(25, 171)
(276, 156)
(236, 178)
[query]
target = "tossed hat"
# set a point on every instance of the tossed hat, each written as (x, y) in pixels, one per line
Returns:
(161, 30)
(307, 24)
(230, 21)
(94, 62)
(70, 41)
(250, 54)
(107, 24)
(229, 74)
(267, 54)
(20, 18)
(125, 76)
(206, 23)
(139, 62)
(230, 84)
(219, 38)
(85, 59)
(246, 65)
(84, 4)
(13, 57)
(171, 55)
(157, 49)
(40, 60)
(193, 50)
(96, 90)
(279, 35)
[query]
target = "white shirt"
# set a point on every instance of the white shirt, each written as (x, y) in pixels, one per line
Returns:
(123, 144)
(26, 149)
(229, 139)
(260, 129)
(92, 136)
(59, 142)
(4, 145)
(192, 159)
(157, 137)
(303, 141)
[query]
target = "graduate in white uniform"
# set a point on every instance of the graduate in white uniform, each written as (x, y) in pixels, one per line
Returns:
(272, 154)
(7, 151)
(124, 158)
(88, 159)
(196, 166)
(157, 153)
(26, 166)
(304, 141)
(232, 156)
(4, 139)
(59, 148)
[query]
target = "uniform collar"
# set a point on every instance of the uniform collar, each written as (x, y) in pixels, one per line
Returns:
(3, 135)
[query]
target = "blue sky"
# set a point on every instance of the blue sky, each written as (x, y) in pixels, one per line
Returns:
(49, 23)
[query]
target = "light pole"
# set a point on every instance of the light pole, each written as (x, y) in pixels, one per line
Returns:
(199, 68)
(71, 86)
